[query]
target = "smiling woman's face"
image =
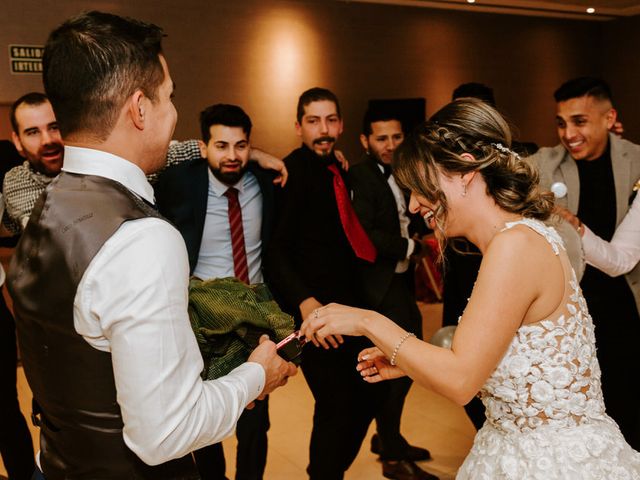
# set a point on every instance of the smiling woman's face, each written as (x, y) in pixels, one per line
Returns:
(441, 216)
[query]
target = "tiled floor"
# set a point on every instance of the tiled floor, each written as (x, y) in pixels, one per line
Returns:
(429, 421)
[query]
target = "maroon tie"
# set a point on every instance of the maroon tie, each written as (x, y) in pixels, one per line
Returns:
(356, 235)
(240, 267)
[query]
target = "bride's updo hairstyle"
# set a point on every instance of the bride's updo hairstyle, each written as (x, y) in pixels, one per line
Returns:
(469, 126)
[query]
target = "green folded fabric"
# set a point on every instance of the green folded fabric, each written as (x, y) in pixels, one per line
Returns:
(228, 317)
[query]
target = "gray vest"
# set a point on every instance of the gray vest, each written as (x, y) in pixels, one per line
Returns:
(72, 382)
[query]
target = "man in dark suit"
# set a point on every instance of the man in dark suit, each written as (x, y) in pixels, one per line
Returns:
(312, 261)
(388, 283)
(197, 197)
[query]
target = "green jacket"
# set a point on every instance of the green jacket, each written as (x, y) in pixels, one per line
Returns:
(228, 317)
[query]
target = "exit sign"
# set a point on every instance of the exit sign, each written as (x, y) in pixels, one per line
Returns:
(26, 59)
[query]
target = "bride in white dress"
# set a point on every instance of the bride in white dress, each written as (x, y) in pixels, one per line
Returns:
(525, 342)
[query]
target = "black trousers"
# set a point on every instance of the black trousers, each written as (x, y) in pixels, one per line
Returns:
(617, 326)
(399, 305)
(251, 455)
(344, 407)
(15, 440)
(461, 271)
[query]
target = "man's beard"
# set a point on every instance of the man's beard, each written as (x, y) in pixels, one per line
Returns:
(325, 153)
(229, 178)
(44, 166)
(380, 158)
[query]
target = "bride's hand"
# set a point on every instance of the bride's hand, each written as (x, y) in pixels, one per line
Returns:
(308, 309)
(333, 320)
(374, 366)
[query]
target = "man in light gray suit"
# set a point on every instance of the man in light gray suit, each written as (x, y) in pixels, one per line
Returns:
(592, 172)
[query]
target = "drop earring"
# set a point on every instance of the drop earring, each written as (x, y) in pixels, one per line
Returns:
(464, 189)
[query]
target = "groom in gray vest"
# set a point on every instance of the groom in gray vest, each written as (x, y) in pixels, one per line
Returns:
(101, 309)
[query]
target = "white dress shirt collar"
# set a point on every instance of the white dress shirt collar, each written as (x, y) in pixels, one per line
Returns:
(87, 161)
(401, 204)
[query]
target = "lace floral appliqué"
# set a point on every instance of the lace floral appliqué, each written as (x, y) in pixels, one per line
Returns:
(545, 412)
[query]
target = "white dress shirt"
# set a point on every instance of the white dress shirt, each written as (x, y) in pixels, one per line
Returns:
(132, 302)
(215, 259)
(623, 252)
(402, 265)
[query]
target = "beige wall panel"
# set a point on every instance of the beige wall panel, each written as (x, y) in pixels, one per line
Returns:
(262, 54)
(621, 67)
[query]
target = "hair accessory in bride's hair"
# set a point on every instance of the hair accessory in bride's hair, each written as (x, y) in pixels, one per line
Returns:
(504, 149)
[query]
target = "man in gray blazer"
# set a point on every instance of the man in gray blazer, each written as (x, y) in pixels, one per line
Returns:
(592, 172)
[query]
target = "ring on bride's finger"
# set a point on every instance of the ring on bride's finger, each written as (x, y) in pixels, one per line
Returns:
(315, 313)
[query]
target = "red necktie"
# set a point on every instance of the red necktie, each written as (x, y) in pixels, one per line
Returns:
(356, 235)
(240, 267)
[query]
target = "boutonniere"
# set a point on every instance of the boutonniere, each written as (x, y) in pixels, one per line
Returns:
(636, 186)
(559, 189)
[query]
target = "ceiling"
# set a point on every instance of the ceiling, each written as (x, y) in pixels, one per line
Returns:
(575, 9)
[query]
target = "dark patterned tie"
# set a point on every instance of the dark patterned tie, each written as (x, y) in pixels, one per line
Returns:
(240, 267)
(356, 235)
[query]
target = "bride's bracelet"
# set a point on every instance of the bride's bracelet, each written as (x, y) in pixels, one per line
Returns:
(398, 345)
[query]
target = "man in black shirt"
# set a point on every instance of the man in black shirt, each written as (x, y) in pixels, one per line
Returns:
(311, 262)
(598, 170)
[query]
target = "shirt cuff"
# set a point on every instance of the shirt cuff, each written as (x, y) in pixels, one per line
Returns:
(254, 376)
(589, 240)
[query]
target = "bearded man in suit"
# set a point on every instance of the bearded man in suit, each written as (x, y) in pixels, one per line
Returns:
(194, 197)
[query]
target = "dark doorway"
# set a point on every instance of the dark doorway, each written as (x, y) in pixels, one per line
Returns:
(411, 111)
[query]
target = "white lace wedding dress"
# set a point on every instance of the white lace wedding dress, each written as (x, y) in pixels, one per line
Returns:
(545, 413)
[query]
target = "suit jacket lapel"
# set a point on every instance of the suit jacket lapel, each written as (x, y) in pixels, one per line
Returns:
(200, 192)
(571, 179)
(265, 181)
(382, 180)
(621, 164)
